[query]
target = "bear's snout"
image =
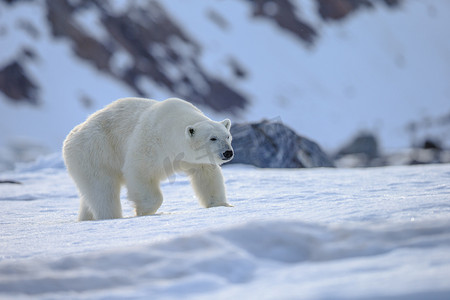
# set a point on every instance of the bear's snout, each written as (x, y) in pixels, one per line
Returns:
(228, 154)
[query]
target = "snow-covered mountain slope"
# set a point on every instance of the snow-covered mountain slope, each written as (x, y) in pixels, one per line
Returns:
(380, 233)
(379, 68)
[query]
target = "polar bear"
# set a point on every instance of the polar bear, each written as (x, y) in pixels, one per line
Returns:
(139, 142)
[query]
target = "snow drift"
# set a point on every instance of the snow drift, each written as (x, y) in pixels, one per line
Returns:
(226, 263)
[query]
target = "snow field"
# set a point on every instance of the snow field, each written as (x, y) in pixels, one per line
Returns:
(377, 233)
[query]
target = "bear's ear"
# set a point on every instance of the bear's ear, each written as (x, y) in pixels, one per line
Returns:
(226, 123)
(190, 131)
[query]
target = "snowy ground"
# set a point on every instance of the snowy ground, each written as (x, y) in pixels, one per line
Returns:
(381, 233)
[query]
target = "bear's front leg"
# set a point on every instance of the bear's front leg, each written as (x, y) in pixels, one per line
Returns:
(208, 184)
(147, 196)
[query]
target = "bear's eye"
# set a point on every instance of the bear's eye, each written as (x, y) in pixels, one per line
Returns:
(213, 139)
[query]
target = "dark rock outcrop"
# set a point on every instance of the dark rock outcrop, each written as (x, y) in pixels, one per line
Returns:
(274, 145)
(361, 151)
(16, 84)
(364, 143)
(283, 13)
(59, 15)
(10, 182)
(159, 50)
(430, 152)
(14, 1)
(339, 9)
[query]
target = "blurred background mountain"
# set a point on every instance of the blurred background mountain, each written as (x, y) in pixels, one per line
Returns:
(336, 71)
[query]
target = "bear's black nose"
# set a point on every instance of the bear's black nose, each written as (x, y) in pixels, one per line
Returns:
(228, 154)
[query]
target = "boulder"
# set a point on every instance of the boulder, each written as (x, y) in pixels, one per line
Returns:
(273, 145)
(361, 151)
(430, 152)
(364, 143)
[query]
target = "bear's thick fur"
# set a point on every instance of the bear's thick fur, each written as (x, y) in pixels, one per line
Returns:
(140, 142)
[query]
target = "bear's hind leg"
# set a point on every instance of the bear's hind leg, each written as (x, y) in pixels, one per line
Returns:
(101, 198)
(147, 196)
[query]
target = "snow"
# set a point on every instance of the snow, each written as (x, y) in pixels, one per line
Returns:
(380, 233)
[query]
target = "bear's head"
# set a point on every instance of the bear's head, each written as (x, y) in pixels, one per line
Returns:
(210, 142)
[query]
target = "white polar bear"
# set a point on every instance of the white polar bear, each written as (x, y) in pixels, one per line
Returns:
(140, 142)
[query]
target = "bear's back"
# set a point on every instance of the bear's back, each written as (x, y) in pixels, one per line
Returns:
(173, 111)
(110, 126)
